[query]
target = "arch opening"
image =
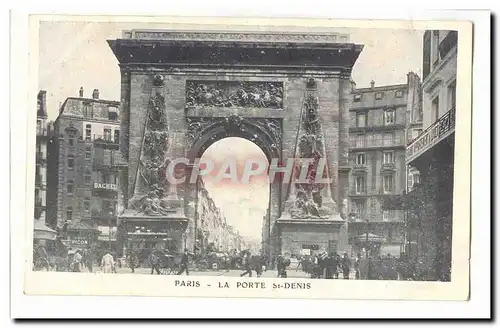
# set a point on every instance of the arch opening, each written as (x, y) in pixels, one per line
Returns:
(233, 207)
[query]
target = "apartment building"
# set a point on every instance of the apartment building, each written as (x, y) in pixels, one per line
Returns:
(430, 202)
(378, 175)
(82, 175)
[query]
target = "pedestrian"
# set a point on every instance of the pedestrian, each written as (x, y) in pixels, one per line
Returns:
(247, 265)
(154, 260)
(88, 260)
(184, 263)
(326, 264)
(346, 266)
(337, 265)
(77, 261)
(108, 263)
(133, 260)
(357, 262)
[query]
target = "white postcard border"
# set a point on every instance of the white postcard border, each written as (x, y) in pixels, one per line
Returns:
(94, 284)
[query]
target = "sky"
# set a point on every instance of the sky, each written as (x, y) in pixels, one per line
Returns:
(76, 54)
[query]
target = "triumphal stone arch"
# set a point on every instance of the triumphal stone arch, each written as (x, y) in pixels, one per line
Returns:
(290, 94)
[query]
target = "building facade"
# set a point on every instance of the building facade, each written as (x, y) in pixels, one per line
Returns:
(212, 230)
(378, 176)
(82, 171)
(430, 202)
(43, 135)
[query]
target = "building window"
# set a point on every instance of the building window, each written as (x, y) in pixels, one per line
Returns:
(88, 179)
(388, 215)
(360, 184)
(112, 113)
(107, 134)
(388, 139)
(435, 109)
(388, 157)
(414, 179)
(117, 136)
(399, 94)
(379, 95)
(71, 140)
(88, 132)
(389, 117)
(70, 187)
(388, 183)
(359, 208)
(452, 95)
(360, 159)
(88, 111)
(88, 152)
(360, 140)
(86, 205)
(71, 162)
(69, 214)
(357, 97)
(361, 120)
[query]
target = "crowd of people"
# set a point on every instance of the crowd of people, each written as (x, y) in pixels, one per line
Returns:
(330, 265)
(323, 265)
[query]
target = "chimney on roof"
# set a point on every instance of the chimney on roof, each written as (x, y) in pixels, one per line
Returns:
(95, 94)
(372, 84)
(81, 92)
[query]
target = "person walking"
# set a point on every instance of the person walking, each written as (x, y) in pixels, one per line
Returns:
(154, 260)
(77, 261)
(184, 263)
(337, 266)
(346, 266)
(108, 263)
(133, 260)
(247, 265)
(357, 262)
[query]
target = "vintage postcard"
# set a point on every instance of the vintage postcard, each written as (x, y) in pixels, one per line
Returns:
(255, 158)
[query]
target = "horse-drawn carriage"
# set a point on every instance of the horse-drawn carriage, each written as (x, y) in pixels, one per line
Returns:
(165, 263)
(218, 261)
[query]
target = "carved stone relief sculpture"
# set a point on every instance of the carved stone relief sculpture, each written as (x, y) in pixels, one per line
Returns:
(309, 196)
(151, 186)
(234, 94)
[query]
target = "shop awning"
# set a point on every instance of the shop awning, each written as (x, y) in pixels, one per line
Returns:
(393, 250)
(42, 232)
(372, 238)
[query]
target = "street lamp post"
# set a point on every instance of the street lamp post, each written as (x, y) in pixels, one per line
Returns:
(368, 274)
(110, 227)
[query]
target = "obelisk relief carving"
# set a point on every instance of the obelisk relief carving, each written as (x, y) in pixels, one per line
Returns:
(152, 190)
(310, 191)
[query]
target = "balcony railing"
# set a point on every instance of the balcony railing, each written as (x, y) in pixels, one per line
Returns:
(377, 143)
(388, 166)
(106, 165)
(439, 130)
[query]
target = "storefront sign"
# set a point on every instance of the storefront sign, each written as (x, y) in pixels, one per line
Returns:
(310, 247)
(79, 241)
(106, 186)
